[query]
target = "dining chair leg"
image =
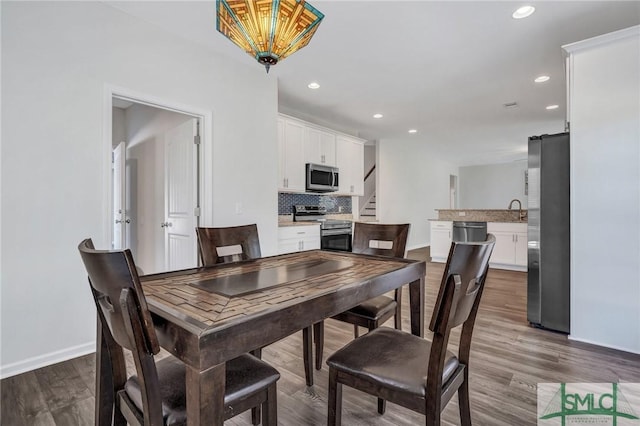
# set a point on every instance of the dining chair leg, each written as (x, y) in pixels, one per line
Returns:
(334, 399)
(318, 338)
(398, 318)
(355, 331)
(257, 353)
(270, 407)
(463, 401)
(307, 354)
(382, 405)
(255, 416)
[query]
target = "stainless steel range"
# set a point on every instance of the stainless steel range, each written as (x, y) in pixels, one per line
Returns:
(334, 234)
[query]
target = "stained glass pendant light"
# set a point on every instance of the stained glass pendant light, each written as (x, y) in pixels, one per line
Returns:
(268, 30)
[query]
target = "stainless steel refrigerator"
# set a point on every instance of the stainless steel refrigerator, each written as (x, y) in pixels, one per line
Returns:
(548, 232)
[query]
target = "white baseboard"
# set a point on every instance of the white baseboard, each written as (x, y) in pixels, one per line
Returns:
(417, 246)
(591, 342)
(508, 267)
(46, 359)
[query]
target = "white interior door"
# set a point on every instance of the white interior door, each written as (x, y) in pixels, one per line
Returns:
(118, 239)
(180, 197)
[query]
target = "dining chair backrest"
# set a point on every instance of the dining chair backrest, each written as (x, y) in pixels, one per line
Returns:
(230, 244)
(110, 273)
(380, 239)
(125, 318)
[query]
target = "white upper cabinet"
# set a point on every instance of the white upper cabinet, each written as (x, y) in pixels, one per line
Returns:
(290, 156)
(300, 143)
(350, 161)
(319, 147)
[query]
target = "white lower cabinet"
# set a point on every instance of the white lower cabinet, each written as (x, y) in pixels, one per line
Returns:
(298, 238)
(440, 240)
(510, 251)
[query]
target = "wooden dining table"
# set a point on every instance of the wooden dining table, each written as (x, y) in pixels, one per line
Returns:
(207, 316)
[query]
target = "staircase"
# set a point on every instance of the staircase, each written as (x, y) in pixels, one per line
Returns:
(368, 212)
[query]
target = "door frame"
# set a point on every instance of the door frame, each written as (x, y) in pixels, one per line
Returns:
(205, 178)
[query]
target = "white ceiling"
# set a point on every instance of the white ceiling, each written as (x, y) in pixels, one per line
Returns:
(444, 68)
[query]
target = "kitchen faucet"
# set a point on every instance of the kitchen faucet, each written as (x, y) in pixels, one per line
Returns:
(520, 217)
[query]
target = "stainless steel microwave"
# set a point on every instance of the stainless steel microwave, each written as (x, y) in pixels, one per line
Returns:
(321, 178)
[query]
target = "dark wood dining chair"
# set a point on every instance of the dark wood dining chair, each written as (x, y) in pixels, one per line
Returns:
(236, 243)
(230, 244)
(382, 240)
(411, 371)
(156, 395)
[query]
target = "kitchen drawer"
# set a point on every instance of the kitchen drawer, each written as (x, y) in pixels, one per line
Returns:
(298, 232)
(441, 224)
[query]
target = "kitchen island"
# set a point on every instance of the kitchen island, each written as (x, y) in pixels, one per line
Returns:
(508, 226)
(483, 215)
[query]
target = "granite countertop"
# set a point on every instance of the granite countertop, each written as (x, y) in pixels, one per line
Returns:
(287, 219)
(292, 223)
(482, 215)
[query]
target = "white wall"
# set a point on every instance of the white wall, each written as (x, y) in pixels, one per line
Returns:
(370, 183)
(492, 186)
(369, 157)
(412, 183)
(118, 126)
(56, 60)
(605, 190)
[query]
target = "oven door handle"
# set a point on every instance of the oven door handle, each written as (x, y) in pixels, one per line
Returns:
(332, 232)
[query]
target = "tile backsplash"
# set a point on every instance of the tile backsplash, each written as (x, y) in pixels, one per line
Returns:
(333, 203)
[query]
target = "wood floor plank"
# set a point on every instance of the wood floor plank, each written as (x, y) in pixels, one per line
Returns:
(78, 413)
(62, 385)
(23, 402)
(508, 360)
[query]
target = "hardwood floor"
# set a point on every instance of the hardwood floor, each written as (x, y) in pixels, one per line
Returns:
(508, 359)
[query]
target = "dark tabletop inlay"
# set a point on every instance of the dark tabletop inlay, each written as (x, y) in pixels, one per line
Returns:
(251, 282)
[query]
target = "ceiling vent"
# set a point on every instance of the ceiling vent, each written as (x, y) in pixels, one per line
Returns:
(510, 105)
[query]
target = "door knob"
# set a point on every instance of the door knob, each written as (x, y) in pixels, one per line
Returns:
(166, 225)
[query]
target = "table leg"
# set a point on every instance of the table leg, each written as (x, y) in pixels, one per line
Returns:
(205, 396)
(416, 306)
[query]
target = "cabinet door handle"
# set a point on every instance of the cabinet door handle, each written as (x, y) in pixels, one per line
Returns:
(301, 245)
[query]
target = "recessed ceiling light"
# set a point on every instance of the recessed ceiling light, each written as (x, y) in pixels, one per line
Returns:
(313, 85)
(552, 107)
(377, 115)
(542, 79)
(413, 131)
(523, 12)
